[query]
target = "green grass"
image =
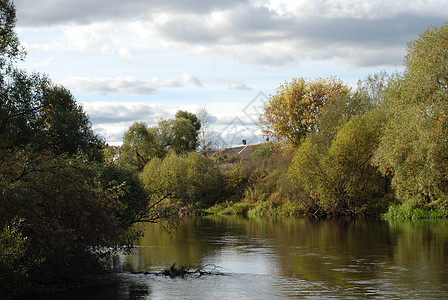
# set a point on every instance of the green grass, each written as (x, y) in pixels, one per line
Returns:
(396, 212)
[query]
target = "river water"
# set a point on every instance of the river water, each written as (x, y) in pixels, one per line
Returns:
(286, 258)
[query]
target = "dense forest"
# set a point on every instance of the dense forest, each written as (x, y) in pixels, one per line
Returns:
(67, 206)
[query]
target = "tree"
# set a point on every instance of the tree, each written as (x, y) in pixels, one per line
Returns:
(61, 210)
(142, 143)
(207, 139)
(65, 213)
(10, 49)
(292, 112)
(333, 165)
(40, 115)
(181, 134)
(342, 178)
(187, 180)
(133, 200)
(414, 146)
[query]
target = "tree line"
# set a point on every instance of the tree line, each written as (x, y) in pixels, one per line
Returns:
(383, 144)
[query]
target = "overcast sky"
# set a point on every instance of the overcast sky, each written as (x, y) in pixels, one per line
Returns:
(142, 60)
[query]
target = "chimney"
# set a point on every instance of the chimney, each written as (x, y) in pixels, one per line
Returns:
(244, 142)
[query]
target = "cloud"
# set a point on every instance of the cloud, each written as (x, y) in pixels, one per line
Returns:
(190, 78)
(239, 85)
(57, 12)
(233, 84)
(111, 119)
(119, 85)
(275, 32)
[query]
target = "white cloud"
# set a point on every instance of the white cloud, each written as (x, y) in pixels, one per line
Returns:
(111, 119)
(239, 85)
(190, 78)
(119, 85)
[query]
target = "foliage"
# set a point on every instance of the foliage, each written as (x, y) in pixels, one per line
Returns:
(14, 263)
(259, 185)
(39, 115)
(333, 166)
(180, 134)
(351, 181)
(188, 180)
(66, 215)
(414, 146)
(292, 112)
(131, 198)
(10, 49)
(262, 151)
(61, 210)
(142, 143)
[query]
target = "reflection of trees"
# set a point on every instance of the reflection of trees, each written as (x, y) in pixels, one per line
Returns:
(339, 253)
(187, 244)
(422, 248)
(333, 251)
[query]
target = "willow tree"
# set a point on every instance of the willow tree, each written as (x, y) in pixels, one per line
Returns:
(414, 148)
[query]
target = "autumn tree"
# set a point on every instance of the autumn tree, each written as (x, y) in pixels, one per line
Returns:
(333, 166)
(291, 113)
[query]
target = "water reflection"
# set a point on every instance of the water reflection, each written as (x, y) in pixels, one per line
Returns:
(291, 258)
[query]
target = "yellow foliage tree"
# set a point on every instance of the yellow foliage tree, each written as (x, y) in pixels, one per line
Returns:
(292, 112)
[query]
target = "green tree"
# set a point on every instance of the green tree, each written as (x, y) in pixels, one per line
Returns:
(10, 49)
(40, 115)
(181, 134)
(132, 203)
(142, 143)
(292, 112)
(414, 147)
(65, 213)
(57, 220)
(342, 179)
(188, 180)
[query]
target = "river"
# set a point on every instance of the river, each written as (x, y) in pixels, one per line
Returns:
(286, 258)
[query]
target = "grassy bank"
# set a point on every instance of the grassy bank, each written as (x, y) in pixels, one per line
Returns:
(397, 212)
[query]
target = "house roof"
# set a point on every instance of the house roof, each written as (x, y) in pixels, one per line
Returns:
(242, 151)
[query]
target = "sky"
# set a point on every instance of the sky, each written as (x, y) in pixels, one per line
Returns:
(143, 60)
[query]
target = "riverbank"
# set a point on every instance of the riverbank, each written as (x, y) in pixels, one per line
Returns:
(291, 209)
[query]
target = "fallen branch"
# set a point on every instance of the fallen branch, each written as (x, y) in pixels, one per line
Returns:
(183, 271)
